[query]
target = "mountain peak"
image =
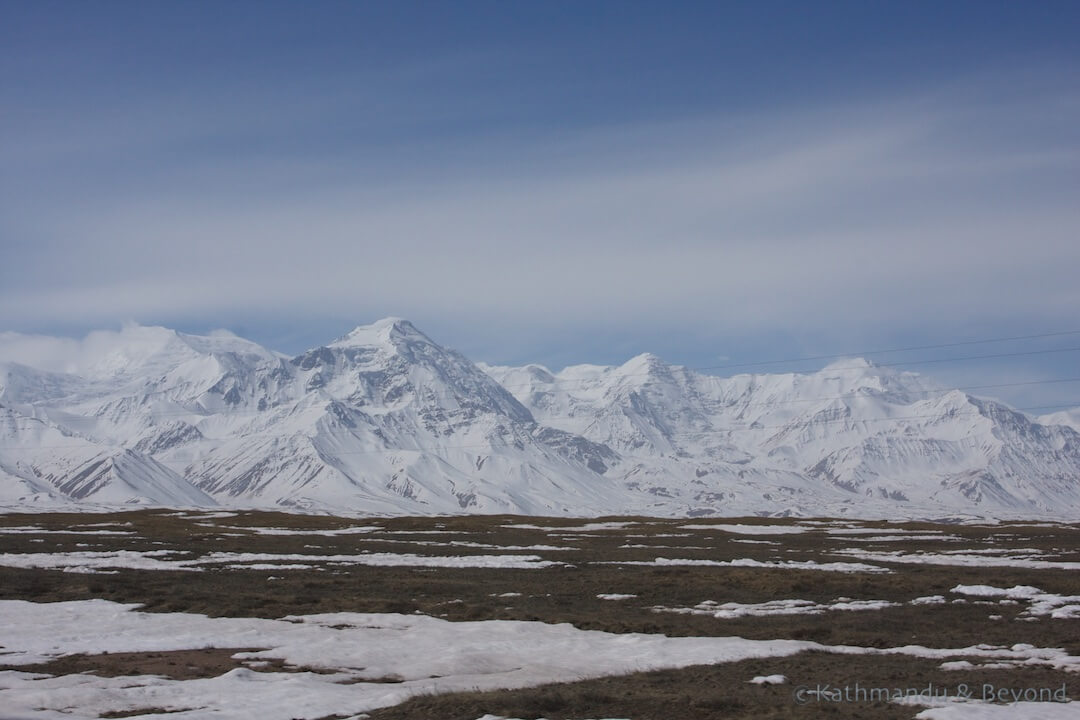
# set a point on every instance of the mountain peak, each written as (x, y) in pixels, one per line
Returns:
(644, 363)
(381, 332)
(393, 323)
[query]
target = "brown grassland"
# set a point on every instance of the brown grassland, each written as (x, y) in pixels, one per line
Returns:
(567, 593)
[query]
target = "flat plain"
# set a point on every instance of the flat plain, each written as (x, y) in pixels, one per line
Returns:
(153, 613)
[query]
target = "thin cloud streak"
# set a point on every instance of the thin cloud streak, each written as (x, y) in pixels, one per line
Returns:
(867, 223)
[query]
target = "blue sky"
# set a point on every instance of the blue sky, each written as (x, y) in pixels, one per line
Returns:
(553, 182)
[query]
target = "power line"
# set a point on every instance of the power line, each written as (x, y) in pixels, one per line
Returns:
(850, 367)
(980, 357)
(564, 381)
(558, 381)
(894, 350)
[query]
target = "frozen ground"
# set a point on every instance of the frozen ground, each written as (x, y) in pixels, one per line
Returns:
(265, 616)
(348, 663)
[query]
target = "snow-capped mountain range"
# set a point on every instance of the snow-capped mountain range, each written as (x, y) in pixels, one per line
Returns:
(384, 420)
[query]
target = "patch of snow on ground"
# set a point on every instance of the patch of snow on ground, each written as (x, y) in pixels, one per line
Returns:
(204, 516)
(732, 610)
(427, 654)
(29, 530)
(1059, 607)
(587, 527)
(425, 532)
(990, 711)
(521, 562)
(871, 531)
(593, 527)
(1016, 552)
(903, 538)
(356, 652)
(968, 559)
(750, 529)
(357, 530)
(769, 680)
(748, 562)
(488, 546)
(90, 561)
(271, 566)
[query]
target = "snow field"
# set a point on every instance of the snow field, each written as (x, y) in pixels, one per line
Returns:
(355, 653)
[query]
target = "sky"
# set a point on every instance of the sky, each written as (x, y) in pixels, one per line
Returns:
(555, 182)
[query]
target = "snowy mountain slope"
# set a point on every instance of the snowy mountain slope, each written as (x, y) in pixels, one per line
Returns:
(388, 416)
(51, 464)
(385, 420)
(380, 420)
(850, 438)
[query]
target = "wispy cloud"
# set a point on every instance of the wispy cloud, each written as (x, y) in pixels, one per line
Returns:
(869, 213)
(757, 232)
